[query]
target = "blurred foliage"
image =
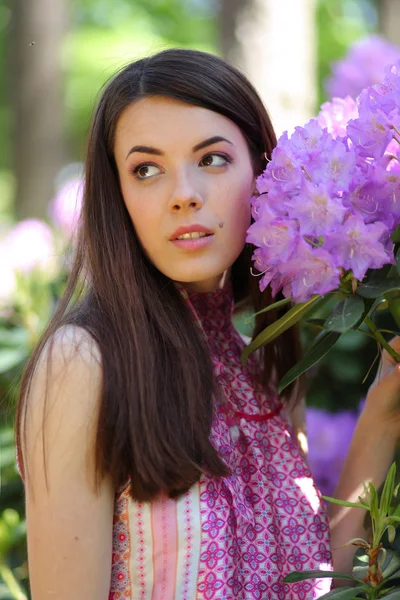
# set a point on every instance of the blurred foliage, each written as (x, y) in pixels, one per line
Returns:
(107, 34)
(341, 379)
(339, 24)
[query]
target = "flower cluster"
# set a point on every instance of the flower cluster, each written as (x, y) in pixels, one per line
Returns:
(363, 66)
(33, 246)
(66, 206)
(328, 203)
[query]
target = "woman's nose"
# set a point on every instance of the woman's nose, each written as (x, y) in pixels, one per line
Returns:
(185, 196)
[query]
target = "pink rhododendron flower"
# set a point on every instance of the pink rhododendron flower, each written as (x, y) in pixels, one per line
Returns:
(30, 244)
(335, 115)
(329, 203)
(66, 206)
(358, 246)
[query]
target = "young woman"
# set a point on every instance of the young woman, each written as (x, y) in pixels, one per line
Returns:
(157, 466)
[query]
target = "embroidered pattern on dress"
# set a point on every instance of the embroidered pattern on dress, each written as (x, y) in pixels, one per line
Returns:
(120, 576)
(140, 552)
(237, 536)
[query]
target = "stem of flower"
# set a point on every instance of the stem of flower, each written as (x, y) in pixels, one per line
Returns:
(396, 138)
(396, 130)
(308, 174)
(378, 336)
(8, 577)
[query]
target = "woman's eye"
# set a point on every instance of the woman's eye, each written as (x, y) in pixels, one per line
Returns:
(214, 160)
(145, 171)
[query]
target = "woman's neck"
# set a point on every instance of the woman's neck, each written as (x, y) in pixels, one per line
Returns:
(207, 285)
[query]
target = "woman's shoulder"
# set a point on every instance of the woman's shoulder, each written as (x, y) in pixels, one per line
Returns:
(71, 343)
(63, 397)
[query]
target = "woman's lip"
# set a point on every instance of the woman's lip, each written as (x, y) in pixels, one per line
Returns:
(189, 229)
(195, 243)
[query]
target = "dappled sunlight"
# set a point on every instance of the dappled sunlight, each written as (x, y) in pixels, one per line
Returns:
(340, 512)
(324, 585)
(307, 486)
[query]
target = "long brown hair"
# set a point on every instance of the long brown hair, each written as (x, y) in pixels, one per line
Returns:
(156, 403)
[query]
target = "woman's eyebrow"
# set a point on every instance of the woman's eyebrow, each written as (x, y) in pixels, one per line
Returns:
(209, 142)
(155, 151)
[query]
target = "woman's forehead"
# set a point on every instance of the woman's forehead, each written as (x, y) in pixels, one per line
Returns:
(160, 121)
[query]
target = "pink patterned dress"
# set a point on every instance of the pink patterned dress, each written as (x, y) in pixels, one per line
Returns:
(233, 538)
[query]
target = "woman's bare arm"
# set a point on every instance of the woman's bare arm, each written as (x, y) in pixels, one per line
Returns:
(69, 524)
(371, 452)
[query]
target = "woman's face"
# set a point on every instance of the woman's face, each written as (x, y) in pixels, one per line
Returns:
(186, 178)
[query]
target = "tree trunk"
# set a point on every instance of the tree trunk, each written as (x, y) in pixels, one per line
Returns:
(389, 19)
(37, 96)
(274, 43)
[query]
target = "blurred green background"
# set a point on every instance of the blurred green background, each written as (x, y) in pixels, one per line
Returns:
(54, 57)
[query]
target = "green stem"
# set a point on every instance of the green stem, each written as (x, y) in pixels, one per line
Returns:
(8, 577)
(378, 336)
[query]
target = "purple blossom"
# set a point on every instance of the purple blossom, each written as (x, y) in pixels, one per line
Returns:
(311, 269)
(277, 236)
(316, 209)
(364, 193)
(391, 158)
(335, 165)
(358, 246)
(335, 115)
(309, 140)
(362, 67)
(283, 169)
(329, 203)
(329, 435)
(371, 132)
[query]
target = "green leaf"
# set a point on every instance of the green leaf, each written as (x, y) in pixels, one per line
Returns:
(356, 539)
(376, 289)
(388, 489)
(344, 503)
(363, 502)
(393, 305)
(394, 269)
(323, 343)
(344, 593)
(318, 323)
(303, 575)
(275, 329)
(396, 235)
(394, 595)
(393, 565)
(374, 504)
(391, 533)
(346, 314)
(274, 306)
